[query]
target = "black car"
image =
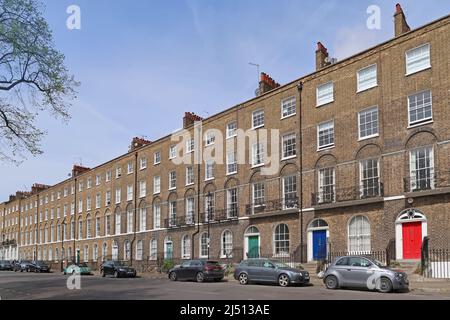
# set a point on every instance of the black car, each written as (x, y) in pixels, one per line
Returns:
(117, 269)
(39, 266)
(5, 266)
(197, 270)
(24, 265)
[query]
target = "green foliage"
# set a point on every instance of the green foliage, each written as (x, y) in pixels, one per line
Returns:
(167, 265)
(33, 77)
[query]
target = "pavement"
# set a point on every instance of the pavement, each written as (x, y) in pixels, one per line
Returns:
(30, 286)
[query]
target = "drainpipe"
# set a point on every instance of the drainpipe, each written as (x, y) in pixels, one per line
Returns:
(300, 90)
(198, 159)
(135, 206)
(76, 222)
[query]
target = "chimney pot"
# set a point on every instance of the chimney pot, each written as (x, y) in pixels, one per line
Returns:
(321, 56)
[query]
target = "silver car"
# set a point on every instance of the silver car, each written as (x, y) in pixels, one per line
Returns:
(363, 272)
(269, 271)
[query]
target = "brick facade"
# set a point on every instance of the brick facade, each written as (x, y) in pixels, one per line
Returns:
(391, 147)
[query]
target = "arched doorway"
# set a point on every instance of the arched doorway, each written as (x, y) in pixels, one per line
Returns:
(410, 229)
(251, 243)
(168, 248)
(115, 251)
(318, 234)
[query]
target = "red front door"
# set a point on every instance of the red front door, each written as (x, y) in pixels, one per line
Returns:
(412, 240)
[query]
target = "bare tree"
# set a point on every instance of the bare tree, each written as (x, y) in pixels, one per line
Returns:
(33, 78)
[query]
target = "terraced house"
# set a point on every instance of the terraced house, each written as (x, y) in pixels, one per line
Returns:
(353, 157)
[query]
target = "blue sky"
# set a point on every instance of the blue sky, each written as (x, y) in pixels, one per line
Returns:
(142, 64)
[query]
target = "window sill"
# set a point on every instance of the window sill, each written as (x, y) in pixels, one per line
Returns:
(414, 72)
(258, 165)
(289, 116)
(231, 137)
(209, 179)
(231, 173)
(418, 124)
(258, 127)
(209, 145)
(289, 158)
(326, 148)
(324, 104)
(155, 164)
(368, 137)
(189, 184)
(171, 189)
(366, 89)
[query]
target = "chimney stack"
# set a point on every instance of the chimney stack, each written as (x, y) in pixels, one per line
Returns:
(189, 119)
(401, 26)
(138, 143)
(37, 187)
(266, 84)
(77, 170)
(321, 56)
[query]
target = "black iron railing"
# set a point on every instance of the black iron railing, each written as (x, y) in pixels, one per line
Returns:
(347, 194)
(435, 263)
(381, 256)
(177, 222)
(271, 206)
(220, 215)
(427, 180)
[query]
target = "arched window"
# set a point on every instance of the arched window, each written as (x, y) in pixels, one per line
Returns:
(226, 244)
(88, 227)
(104, 251)
(281, 239)
(127, 250)
(117, 219)
(50, 254)
(186, 247)
(129, 219)
(108, 223)
(143, 217)
(115, 251)
(153, 249)
(318, 223)
(252, 230)
(359, 235)
(204, 242)
(52, 233)
(95, 252)
(168, 248)
(86, 253)
(139, 250)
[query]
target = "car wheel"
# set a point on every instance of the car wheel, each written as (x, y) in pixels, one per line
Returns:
(385, 285)
(243, 279)
(283, 280)
(331, 282)
(200, 277)
(116, 274)
(173, 276)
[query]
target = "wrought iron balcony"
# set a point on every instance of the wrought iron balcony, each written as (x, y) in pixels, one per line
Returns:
(333, 195)
(221, 215)
(177, 222)
(426, 180)
(9, 242)
(271, 206)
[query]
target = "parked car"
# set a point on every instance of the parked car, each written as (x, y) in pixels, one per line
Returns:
(5, 266)
(269, 271)
(39, 266)
(24, 265)
(117, 269)
(78, 268)
(197, 270)
(363, 272)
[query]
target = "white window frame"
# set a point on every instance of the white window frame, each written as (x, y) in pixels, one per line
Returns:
(118, 195)
(157, 158)
(190, 145)
(210, 138)
(172, 180)
(130, 192)
(361, 88)
(413, 170)
(142, 189)
(156, 216)
(424, 120)
(409, 70)
(172, 152)
(232, 163)
(323, 124)
(209, 170)
(130, 167)
(231, 133)
(287, 104)
(143, 163)
(156, 184)
(284, 138)
(324, 101)
(365, 111)
(258, 151)
(258, 113)
(190, 177)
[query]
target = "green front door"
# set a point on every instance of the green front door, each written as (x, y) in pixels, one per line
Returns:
(253, 247)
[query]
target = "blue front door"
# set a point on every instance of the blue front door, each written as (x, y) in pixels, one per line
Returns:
(319, 245)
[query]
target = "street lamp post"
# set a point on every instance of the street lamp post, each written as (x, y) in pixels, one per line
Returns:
(62, 234)
(209, 219)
